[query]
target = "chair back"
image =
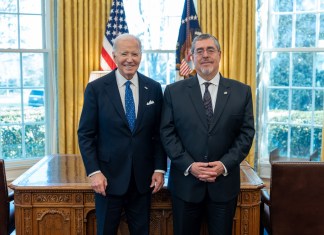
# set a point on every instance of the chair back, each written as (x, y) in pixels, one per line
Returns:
(297, 198)
(314, 156)
(4, 200)
(274, 155)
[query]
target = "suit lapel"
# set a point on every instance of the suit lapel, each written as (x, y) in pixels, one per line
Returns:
(196, 99)
(143, 89)
(223, 94)
(114, 96)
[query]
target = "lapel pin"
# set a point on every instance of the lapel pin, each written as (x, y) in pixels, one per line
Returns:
(146, 87)
(225, 93)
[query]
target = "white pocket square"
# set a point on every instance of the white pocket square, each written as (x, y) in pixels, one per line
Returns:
(150, 102)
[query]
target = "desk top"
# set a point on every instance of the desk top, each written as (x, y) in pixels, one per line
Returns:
(66, 172)
(55, 171)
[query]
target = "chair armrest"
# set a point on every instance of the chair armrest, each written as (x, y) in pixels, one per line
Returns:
(265, 196)
(11, 195)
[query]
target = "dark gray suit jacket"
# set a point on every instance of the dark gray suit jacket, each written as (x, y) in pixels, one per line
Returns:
(187, 138)
(106, 142)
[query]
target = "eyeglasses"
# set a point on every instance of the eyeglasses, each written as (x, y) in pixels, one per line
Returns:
(201, 51)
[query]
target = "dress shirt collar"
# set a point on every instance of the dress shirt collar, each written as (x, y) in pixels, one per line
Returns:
(214, 81)
(121, 80)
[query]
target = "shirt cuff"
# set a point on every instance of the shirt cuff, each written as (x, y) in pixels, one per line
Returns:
(225, 173)
(93, 173)
(186, 173)
(160, 171)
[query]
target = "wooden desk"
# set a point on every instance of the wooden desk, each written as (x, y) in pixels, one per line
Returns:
(54, 197)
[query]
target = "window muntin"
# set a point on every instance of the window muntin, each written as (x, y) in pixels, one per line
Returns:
(24, 69)
(291, 80)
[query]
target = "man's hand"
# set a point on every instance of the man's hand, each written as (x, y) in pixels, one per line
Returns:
(207, 171)
(99, 183)
(157, 181)
(202, 171)
(217, 166)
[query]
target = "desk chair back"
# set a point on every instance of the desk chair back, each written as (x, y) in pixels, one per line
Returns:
(7, 215)
(297, 198)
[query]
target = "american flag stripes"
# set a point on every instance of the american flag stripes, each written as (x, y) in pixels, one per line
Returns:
(116, 25)
(189, 28)
(185, 70)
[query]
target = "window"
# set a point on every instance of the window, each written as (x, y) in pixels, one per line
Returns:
(291, 79)
(24, 66)
(158, 30)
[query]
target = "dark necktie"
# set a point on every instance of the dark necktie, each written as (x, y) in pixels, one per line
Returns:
(208, 102)
(130, 106)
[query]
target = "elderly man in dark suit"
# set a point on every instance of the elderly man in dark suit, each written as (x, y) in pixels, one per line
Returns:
(119, 140)
(207, 129)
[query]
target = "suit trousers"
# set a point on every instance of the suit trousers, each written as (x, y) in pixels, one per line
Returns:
(135, 205)
(188, 216)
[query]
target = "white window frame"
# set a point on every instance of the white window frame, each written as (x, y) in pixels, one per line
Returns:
(16, 167)
(262, 88)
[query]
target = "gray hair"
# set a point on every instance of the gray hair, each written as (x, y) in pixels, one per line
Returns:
(126, 36)
(204, 37)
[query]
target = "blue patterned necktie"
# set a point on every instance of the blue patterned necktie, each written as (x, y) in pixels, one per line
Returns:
(130, 106)
(208, 103)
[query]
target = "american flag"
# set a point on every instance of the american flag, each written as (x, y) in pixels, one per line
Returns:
(116, 25)
(185, 69)
(189, 28)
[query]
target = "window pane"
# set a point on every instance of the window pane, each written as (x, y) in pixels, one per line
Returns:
(302, 69)
(306, 5)
(8, 31)
(322, 4)
(33, 69)
(31, 31)
(319, 107)
(158, 29)
(278, 138)
(319, 70)
(35, 105)
(35, 141)
(283, 6)
(278, 116)
(10, 72)
(279, 69)
(302, 100)
(8, 6)
(30, 6)
(159, 66)
(10, 142)
(300, 141)
(10, 109)
(305, 30)
(321, 32)
(282, 30)
(278, 99)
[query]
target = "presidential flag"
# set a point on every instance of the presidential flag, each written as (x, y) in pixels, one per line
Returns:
(116, 25)
(189, 28)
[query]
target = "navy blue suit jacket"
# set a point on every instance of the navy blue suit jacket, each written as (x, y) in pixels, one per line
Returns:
(106, 142)
(187, 138)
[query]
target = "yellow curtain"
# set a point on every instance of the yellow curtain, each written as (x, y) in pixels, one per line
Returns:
(233, 23)
(81, 26)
